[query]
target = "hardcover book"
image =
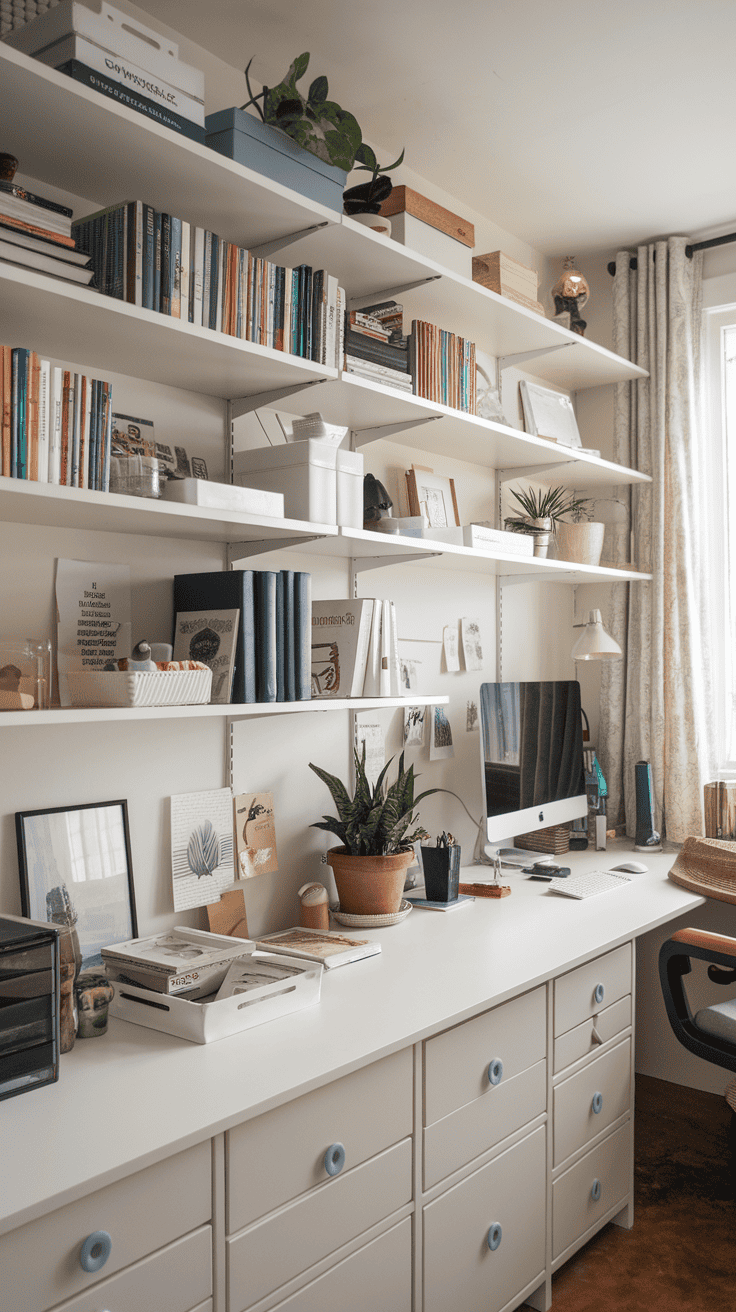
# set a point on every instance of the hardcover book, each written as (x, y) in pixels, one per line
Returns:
(209, 636)
(340, 637)
(226, 590)
(325, 945)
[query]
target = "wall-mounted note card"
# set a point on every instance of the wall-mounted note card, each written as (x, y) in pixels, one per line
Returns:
(201, 847)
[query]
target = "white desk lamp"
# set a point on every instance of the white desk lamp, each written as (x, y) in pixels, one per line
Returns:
(594, 643)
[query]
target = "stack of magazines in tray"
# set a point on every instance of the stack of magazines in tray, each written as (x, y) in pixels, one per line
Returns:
(188, 962)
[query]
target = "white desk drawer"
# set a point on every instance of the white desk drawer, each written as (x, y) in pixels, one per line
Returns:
(579, 1042)
(586, 991)
(458, 1138)
(590, 1188)
(456, 1063)
(376, 1277)
(506, 1197)
(281, 1247)
(40, 1262)
(280, 1155)
(591, 1100)
(176, 1279)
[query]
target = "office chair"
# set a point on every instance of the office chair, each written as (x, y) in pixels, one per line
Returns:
(711, 1034)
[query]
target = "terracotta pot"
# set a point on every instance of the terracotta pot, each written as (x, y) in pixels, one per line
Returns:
(369, 885)
(580, 543)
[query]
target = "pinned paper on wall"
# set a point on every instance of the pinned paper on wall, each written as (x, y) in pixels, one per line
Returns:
(201, 847)
(93, 614)
(440, 743)
(414, 721)
(373, 737)
(409, 674)
(472, 723)
(450, 645)
(255, 835)
(472, 645)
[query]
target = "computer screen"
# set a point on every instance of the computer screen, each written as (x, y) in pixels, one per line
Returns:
(531, 756)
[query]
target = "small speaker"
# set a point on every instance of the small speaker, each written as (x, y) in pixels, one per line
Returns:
(647, 839)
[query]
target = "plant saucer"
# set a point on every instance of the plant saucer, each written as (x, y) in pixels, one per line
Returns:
(373, 922)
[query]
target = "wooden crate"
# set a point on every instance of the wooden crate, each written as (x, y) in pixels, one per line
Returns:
(403, 200)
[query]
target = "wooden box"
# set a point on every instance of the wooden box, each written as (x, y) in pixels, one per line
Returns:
(507, 277)
(430, 229)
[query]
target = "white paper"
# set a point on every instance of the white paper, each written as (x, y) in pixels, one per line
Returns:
(409, 675)
(449, 642)
(414, 721)
(472, 645)
(375, 747)
(440, 742)
(93, 616)
(472, 721)
(201, 847)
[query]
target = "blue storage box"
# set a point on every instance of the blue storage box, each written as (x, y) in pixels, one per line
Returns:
(268, 150)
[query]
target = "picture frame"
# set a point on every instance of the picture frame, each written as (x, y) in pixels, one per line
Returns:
(549, 414)
(432, 495)
(75, 868)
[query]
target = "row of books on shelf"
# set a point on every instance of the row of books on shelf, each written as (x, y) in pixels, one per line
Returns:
(355, 648)
(429, 362)
(56, 423)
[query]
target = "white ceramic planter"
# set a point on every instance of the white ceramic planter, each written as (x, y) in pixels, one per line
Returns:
(581, 544)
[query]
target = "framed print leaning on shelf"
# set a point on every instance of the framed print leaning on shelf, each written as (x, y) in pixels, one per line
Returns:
(76, 870)
(432, 495)
(549, 414)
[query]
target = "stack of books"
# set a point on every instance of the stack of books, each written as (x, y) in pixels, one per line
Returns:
(355, 649)
(183, 961)
(375, 345)
(35, 233)
(442, 366)
(507, 277)
(56, 424)
(163, 263)
(272, 651)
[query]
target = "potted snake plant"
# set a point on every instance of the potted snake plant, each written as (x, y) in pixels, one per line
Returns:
(543, 512)
(376, 827)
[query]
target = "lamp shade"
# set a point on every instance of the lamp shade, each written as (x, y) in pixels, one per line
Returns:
(594, 643)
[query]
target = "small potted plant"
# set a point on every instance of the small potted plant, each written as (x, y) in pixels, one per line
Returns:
(376, 828)
(363, 202)
(579, 537)
(308, 143)
(543, 512)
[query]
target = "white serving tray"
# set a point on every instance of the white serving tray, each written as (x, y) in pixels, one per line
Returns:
(224, 496)
(203, 1022)
(139, 688)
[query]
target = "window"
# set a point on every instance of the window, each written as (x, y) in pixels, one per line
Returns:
(720, 417)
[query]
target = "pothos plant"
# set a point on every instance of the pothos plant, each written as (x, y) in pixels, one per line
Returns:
(367, 197)
(320, 125)
(550, 503)
(376, 821)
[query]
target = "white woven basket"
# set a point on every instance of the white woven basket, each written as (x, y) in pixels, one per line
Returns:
(137, 688)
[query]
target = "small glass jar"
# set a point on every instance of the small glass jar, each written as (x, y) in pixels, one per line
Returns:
(25, 674)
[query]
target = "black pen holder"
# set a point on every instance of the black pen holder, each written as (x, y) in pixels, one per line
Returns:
(441, 867)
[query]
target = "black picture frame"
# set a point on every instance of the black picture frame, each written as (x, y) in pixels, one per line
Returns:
(75, 868)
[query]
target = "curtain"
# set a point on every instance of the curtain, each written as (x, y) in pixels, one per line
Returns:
(656, 704)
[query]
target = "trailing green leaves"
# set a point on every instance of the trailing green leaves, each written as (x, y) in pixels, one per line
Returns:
(317, 124)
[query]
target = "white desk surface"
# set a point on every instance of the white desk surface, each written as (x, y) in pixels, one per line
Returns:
(135, 1095)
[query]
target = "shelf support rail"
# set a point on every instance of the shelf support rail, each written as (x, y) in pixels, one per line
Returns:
(245, 405)
(259, 547)
(369, 298)
(372, 433)
(267, 248)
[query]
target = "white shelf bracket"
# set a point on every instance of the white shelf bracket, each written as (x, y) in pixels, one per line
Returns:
(372, 434)
(383, 562)
(260, 547)
(530, 471)
(245, 405)
(508, 580)
(512, 361)
(370, 298)
(267, 248)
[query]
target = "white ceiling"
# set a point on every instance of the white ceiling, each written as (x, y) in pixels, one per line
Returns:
(574, 125)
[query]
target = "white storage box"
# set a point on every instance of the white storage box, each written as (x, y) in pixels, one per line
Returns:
(305, 472)
(203, 1022)
(452, 534)
(432, 243)
(349, 488)
(139, 687)
(224, 496)
(484, 538)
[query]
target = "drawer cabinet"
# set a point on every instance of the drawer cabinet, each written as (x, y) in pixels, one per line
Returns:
(376, 1277)
(40, 1262)
(484, 1238)
(585, 1193)
(176, 1279)
(580, 1042)
(281, 1247)
(591, 1100)
(285, 1153)
(586, 991)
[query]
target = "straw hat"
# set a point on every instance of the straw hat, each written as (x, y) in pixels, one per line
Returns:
(707, 866)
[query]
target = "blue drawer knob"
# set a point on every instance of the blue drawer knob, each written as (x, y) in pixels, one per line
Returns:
(599, 993)
(335, 1158)
(596, 1191)
(494, 1236)
(495, 1071)
(95, 1250)
(597, 1103)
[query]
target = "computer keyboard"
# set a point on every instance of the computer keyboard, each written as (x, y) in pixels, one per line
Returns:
(596, 881)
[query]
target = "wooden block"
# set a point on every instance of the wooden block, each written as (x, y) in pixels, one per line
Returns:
(228, 915)
(719, 803)
(485, 890)
(403, 199)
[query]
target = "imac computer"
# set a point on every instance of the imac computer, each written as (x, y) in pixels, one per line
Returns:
(531, 745)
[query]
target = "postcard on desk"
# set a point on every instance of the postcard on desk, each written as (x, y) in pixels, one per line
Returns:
(327, 946)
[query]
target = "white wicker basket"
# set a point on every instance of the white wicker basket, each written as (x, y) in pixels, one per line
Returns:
(139, 688)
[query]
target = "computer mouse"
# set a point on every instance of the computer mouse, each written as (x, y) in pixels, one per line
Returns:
(632, 867)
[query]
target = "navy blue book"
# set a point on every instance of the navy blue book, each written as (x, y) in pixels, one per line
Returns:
(157, 260)
(289, 636)
(149, 255)
(303, 635)
(166, 279)
(20, 193)
(266, 631)
(280, 636)
(316, 317)
(214, 276)
(19, 420)
(125, 95)
(230, 589)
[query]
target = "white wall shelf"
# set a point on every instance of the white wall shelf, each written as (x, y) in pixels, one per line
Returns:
(60, 716)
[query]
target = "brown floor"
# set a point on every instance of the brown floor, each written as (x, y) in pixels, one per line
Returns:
(681, 1254)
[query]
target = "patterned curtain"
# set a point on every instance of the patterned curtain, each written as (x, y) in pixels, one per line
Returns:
(656, 704)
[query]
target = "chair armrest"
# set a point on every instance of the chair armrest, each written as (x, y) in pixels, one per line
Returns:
(674, 963)
(711, 943)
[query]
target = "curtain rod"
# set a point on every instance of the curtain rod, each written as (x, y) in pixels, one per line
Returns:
(689, 250)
